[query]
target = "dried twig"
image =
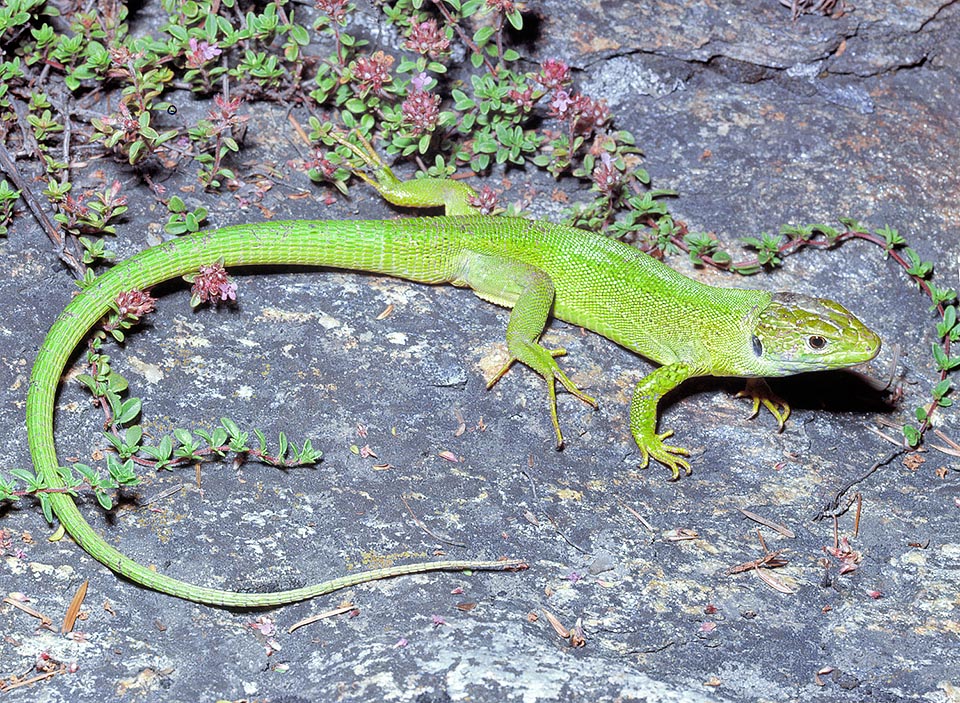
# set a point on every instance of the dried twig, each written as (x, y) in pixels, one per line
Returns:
(9, 685)
(637, 515)
(346, 608)
(44, 620)
(769, 560)
(782, 529)
(952, 448)
(833, 509)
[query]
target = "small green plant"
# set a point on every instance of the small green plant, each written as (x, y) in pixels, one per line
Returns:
(182, 220)
(213, 138)
(8, 198)
(132, 136)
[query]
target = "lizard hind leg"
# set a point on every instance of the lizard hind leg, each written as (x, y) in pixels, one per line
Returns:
(529, 291)
(454, 197)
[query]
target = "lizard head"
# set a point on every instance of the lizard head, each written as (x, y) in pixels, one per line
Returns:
(798, 333)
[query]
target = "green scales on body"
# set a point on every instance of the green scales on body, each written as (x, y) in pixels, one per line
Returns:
(534, 268)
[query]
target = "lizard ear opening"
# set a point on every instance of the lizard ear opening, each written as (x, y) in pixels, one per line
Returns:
(757, 346)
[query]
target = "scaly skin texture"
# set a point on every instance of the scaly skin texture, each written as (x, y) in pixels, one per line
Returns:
(535, 268)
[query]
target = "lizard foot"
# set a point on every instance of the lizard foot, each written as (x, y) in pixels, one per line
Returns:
(759, 392)
(551, 373)
(666, 454)
(365, 156)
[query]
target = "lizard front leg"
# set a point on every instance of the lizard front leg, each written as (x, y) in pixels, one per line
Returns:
(643, 418)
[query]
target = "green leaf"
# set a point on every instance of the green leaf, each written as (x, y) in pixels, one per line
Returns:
(944, 362)
(26, 476)
(135, 150)
(300, 34)
(912, 435)
(231, 427)
(117, 383)
(482, 35)
(104, 499)
(356, 106)
(133, 435)
(262, 440)
(183, 436)
(853, 225)
(919, 269)
(948, 322)
(160, 453)
(219, 437)
(129, 410)
(462, 101)
(88, 381)
(309, 455)
(942, 388)
(46, 507)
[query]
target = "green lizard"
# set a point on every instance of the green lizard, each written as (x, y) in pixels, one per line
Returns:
(534, 268)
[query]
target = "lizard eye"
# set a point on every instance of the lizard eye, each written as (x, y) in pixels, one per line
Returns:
(816, 342)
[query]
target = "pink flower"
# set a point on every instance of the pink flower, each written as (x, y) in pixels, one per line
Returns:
(607, 176)
(554, 73)
(200, 53)
(134, 304)
(561, 104)
(336, 10)
(522, 100)
(485, 201)
(419, 81)
(211, 284)
(373, 72)
(426, 38)
(421, 110)
(502, 5)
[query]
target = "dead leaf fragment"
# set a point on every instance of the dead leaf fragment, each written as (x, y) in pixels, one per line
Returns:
(74, 610)
(556, 625)
(772, 581)
(782, 529)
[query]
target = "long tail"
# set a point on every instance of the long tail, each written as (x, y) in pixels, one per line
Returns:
(397, 248)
